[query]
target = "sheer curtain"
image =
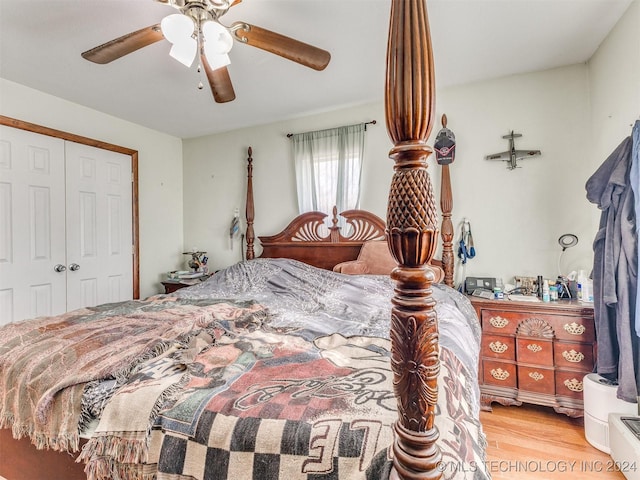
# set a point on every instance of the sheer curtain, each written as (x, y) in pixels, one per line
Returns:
(328, 164)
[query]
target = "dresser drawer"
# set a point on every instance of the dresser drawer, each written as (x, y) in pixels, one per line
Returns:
(497, 346)
(565, 327)
(502, 374)
(576, 356)
(500, 322)
(573, 329)
(534, 350)
(569, 384)
(536, 379)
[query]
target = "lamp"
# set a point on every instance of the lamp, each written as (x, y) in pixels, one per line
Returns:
(217, 38)
(177, 27)
(186, 32)
(184, 51)
(566, 240)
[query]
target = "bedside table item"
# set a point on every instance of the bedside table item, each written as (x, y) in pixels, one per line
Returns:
(172, 284)
(535, 353)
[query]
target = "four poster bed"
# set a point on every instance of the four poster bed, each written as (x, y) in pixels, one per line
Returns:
(275, 367)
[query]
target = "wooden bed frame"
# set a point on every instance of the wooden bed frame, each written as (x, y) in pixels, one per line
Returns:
(308, 239)
(412, 234)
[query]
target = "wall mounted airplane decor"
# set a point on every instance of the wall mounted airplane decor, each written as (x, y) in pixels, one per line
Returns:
(512, 155)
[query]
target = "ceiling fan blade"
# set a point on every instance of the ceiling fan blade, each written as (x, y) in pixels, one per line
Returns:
(121, 46)
(219, 81)
(299, 52)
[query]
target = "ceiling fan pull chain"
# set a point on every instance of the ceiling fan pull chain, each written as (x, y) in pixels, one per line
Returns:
(199, 39)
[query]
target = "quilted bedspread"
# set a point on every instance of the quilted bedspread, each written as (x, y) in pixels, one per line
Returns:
(271, 369)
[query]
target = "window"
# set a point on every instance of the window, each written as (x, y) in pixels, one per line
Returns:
(328, 165)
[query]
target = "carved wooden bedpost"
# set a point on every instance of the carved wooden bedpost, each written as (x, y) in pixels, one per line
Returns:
(412, 234)
(249, 212)
(446, 207)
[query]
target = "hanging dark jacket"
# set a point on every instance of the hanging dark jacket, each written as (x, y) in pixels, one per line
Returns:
(615, 272)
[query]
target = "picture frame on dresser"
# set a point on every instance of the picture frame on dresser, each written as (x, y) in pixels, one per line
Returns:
(535, 352)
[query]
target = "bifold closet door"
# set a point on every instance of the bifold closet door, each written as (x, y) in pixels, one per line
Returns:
(32, 225)
(99, 226)
(65, 225)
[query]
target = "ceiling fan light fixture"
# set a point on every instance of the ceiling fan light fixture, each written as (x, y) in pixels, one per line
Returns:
(217, 37)
(184, 51)
(217, 60)
(177, 27)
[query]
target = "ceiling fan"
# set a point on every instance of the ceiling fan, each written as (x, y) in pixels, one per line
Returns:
(197, 31)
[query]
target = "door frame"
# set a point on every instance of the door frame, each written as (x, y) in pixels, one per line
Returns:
(51, 132)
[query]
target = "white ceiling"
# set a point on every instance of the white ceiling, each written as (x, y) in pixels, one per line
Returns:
(41, 42)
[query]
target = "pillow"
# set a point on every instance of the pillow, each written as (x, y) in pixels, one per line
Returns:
(376, 259)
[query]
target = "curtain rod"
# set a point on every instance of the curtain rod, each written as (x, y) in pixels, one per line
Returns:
(372, 122)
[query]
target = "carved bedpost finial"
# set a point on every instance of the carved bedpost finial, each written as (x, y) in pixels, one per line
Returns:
(334, 229)
(249, 212)
(412, 234)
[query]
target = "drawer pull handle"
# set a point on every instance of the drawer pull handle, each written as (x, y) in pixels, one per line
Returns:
(499, 322)
(499, 374)
(573, 356)
(574, 385)
(534, 347)
(574, 328)
(498, 347)
(536, 376)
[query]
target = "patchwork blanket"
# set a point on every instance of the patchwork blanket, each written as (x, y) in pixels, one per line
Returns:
(46, 363)
(263, 404)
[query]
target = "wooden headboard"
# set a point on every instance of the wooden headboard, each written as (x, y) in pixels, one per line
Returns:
(308, 239)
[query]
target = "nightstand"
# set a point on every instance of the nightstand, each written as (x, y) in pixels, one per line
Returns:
(171, 285)
(535, 352)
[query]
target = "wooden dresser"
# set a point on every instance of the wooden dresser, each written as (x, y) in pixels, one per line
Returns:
(535, 353)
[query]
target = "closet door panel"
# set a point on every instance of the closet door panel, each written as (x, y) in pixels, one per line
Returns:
(99, 228)
(32, 225)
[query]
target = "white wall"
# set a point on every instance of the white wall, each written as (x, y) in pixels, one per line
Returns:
(614, 74)
(159, 169)
(517, 215)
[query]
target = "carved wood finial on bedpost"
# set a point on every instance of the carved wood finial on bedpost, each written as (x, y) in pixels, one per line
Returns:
(412, 234)
(334, 229)
(249, 211)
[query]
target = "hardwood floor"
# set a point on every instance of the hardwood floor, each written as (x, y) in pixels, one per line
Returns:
(535, 443)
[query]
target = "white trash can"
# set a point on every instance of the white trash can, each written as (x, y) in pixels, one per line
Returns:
(599, 401)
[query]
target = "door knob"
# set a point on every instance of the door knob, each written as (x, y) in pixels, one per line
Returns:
(59, 268)
(74, 266)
